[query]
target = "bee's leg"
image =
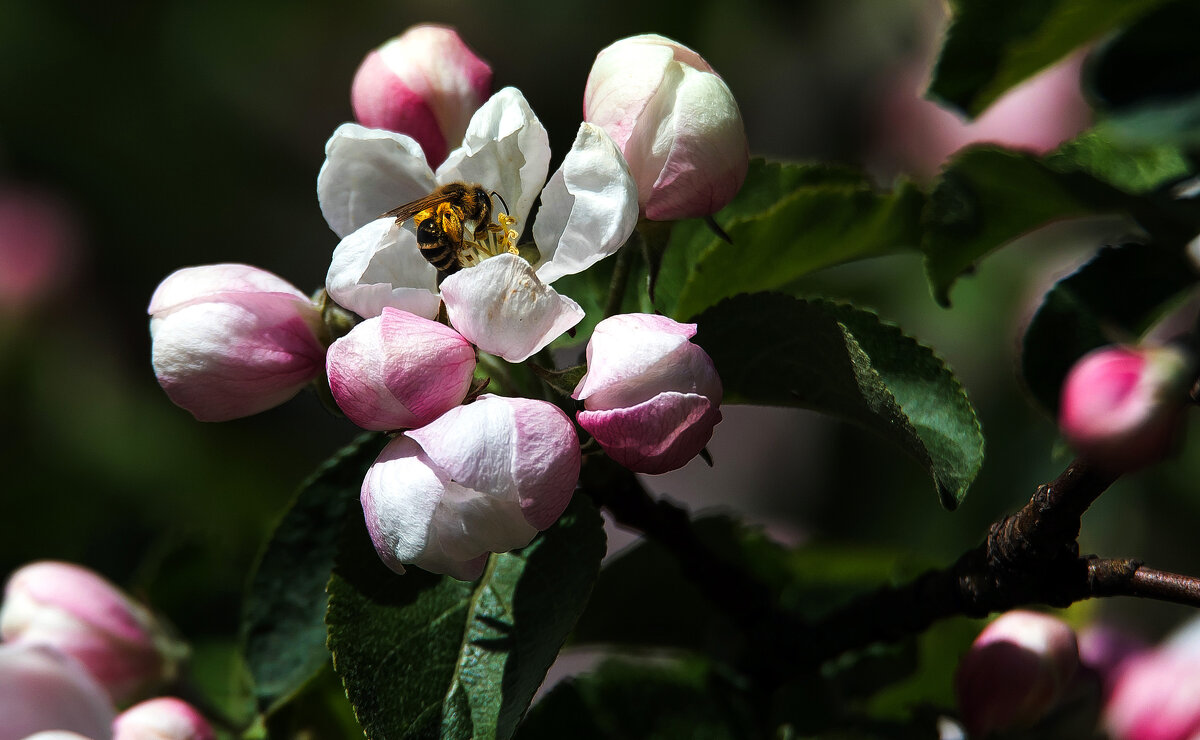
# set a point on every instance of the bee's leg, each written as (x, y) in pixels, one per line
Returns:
(451, 220)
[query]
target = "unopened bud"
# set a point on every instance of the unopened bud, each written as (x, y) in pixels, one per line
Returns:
(676, 122)
(165, 718)
(1015, 672)
(1122, 407)
(425, 83)
(76, 611)
(41, 688)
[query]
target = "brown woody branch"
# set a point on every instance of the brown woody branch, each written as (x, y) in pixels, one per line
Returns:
(1030, 557)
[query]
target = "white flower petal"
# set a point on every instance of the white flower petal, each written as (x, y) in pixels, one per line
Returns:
(506, 149)
(503, 308)
(380, 265)
(400, 494)
(474, 445)
(589, 207)
(368, 172)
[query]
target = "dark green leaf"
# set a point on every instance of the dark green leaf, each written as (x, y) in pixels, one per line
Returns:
(991, 47)
(1113, 298)
(563, 381)
(1147, 79)
(423, 655)
(988, 197)
(776, 350)
(283, 624)
(665, 699)
(1133, 168)
(787, 221)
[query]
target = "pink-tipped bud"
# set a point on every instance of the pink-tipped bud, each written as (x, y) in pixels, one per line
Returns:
(676, 122)
(1015, 672)
(165, 718)
(1157, 694)
(399, 371)
(43, 689)
(233, 340)
(38, 247)
(1122, 407)
(651, 398)
(425, 83)
(78, 612)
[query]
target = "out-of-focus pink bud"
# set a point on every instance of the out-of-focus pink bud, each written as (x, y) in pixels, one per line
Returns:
(425, 83)
(398, 371)
(1122, 407)
(165, 718)
(651, 398)
(43, 689)
(233, 340)
(1157, 695)
(676, 122)
(1015, 672)
(482, 478)
(1107, 649)
(39, 243)
(81, 614)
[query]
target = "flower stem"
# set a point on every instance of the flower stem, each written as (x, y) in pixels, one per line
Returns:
(620, 279)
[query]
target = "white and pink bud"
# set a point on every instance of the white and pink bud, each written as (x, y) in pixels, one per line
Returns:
(78, 612)
(1157, 694)
(1122, 407)
(233, 340)
(425, 83)
(399, 371)
(1017, 670)
(676, 122)
(164, 718)
(651, 397)
(42, 689)
(482, 478)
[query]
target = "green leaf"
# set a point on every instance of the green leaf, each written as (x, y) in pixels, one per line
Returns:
(991, 47)
(283, 622)
(1147, 79)
(423, 655)
(641, 593)
(776, 350)
(1136, 168)
(667, 699)
(988, 197)
(788, 220)
(1113, 298)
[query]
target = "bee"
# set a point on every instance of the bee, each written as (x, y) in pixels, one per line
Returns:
(454, 226)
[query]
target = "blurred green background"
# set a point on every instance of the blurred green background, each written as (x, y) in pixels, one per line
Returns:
(182, 133)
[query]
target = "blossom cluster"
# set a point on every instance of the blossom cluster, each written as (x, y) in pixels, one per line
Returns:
(397, 334)
(75, 648)
(1025, 666)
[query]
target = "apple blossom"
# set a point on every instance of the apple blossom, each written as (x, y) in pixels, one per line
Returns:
(588, 209)
(425, 83)
(44, 689)
(80, 613)
(676, 122)
(1122, 407)
(1017, 670)
(482, 478)
(164, 718)
(651, 397)
(398, 370)
(232, 340)
(1155, 697)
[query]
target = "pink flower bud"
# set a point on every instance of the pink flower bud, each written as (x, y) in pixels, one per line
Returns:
(398, 371)
(424, 83)
(650, 396)
(1122, 407)
(233, 340)
(1015, 672)
(1157, 694)
(164, 718)
(43, 689)
(39, 243)
(482, 478)
(81, 614)
(676, 122)
(1107, 650)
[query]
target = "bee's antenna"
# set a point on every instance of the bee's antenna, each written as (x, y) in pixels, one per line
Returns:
(497, 195)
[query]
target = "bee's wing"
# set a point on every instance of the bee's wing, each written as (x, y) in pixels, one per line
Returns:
(408, 210)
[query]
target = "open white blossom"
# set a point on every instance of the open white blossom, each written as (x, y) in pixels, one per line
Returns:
(588, 209)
